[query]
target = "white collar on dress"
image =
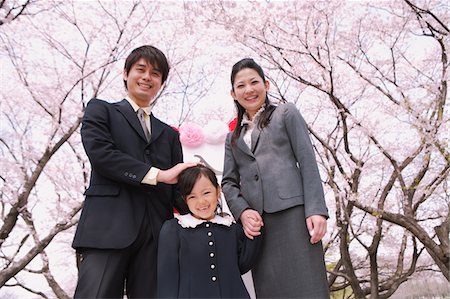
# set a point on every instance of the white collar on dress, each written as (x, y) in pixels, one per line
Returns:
(190, 221)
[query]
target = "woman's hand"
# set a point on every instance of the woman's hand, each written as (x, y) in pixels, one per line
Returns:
(252, 223)
(317, 227)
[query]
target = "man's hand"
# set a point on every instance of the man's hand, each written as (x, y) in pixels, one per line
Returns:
(317, 227)
(252, 223)
(170, 176)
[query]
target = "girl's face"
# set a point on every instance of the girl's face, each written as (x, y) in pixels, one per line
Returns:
(203, 199)
(250, 90)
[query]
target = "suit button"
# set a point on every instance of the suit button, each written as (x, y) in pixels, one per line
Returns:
(209, 234)
(211, 243)
(125, 174)
(134, 176)
(147, 152)
(211, 254)
(213, 266)
(256, 177)
(213, 278)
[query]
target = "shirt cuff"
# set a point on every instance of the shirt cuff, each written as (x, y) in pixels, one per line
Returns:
(150, 177)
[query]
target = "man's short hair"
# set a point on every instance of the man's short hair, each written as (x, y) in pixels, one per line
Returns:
(152, 55)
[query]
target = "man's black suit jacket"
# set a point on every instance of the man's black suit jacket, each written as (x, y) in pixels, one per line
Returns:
(120, 157)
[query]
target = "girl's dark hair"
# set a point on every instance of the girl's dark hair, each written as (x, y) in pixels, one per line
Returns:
(188, 177)
(264, 119)
(152, 55)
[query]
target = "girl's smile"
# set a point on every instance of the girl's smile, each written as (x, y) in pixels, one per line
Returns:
(203, 199)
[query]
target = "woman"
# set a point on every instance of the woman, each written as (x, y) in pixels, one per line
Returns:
(271, 179)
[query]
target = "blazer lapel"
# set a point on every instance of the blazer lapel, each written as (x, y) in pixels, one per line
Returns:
(242, 145)
(257, 133)
(255, 138)
(125, 108)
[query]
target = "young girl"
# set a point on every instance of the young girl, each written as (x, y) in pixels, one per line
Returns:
(203, 254)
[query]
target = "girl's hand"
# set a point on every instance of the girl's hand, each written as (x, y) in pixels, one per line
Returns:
(317, 227)
(252, 223)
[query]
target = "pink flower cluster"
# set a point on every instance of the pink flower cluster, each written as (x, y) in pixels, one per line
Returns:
(191, 135)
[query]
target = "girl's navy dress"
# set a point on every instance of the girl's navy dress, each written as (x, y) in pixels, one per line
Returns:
(204, 259)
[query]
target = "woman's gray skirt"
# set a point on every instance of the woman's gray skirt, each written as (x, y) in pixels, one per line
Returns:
(289, 265)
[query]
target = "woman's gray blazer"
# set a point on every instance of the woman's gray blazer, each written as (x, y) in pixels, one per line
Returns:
(278, 172)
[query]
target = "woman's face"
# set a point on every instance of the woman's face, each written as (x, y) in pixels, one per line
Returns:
(203, 199)
(250, 90)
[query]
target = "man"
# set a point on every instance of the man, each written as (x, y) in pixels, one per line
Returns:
(131, 193)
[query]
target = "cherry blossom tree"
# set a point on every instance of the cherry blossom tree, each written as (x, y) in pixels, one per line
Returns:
(10, 10)
(372, 85)
(40, 144)
(53, 63)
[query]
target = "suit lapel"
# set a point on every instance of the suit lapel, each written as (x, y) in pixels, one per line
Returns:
(242, 145)
(127, 111)
(157, 127)
(255, 138)
(257, 133)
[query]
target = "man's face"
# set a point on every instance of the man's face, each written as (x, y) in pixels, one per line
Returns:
(143, 82)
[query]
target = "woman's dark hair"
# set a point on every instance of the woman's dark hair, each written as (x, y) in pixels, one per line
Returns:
(152, 55)
(264, 119)
(188, 177)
